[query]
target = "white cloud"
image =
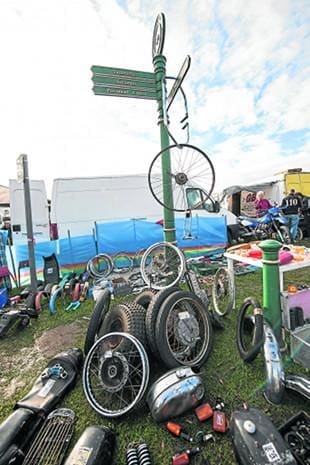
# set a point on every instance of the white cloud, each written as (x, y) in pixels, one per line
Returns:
(49, 112)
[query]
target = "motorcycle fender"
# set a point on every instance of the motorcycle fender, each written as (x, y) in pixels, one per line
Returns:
(174, 393)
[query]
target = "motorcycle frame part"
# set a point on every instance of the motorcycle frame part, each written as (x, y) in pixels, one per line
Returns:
(174, 393)
(51, 442)
(95, 446)
(15, 433)
(183, 331)
(129, 365)
(11, 318)
(47, 391)
(275, 377)
(154, 262)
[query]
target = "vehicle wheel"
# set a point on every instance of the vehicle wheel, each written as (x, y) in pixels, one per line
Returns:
(101, 308)
(223, 293)
(300, 235)
(162, 265)
(125, 318)
(151, 316)
(145, 298)
(250, 330)
(122, 263)
(115, 381)
(100, 266)
(285, 233)
(183, 330)
(188, 166)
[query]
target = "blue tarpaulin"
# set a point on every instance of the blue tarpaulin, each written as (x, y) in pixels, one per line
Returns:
(128, 236)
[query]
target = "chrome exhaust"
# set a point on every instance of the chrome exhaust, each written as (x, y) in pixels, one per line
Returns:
(298, 384)
(275, 383)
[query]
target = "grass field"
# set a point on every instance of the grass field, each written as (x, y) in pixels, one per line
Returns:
(224, 375)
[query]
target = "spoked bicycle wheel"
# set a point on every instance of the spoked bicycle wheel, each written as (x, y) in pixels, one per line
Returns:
(115, 380)
(162, 265)
(223, 293)
(189, 167)
(183, 330)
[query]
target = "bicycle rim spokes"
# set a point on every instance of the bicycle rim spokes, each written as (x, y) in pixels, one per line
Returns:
(122, 262)
(223, 294)
(190, 167)
(162, 265)
(100, 266)
(115, 379)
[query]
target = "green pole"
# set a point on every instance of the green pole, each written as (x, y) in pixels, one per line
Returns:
(271, 287)
(159, 62)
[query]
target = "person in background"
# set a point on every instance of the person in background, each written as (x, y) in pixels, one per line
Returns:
(7, 227)
(261, 204)
(292, 206)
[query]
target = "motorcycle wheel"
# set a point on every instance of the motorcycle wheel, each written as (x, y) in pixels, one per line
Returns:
(285, 233)
(250, 337)
(300, 235)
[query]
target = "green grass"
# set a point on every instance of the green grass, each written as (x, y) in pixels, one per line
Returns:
(224, 375)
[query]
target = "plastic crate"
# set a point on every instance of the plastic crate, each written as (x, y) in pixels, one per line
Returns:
(300, 345)
(291, 425)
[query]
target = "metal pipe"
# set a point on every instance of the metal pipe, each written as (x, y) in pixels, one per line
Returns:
(298, 384)
(275, 383)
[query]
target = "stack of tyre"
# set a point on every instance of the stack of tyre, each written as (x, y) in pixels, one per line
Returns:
(172, 324)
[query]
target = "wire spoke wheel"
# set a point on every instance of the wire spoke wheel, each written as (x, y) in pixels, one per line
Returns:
(122, 263)
(100, 266)
(223, 293)
(115, 380)
(183, 330)
(162, 265)
(189, 167)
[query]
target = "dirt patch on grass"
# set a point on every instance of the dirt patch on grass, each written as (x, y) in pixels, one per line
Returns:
(17, 367)
(61, 338)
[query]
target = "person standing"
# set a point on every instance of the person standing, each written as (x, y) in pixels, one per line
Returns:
(261, 203)
(292, 206)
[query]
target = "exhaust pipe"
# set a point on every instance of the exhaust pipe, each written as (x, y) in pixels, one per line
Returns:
(298, 384)
(275, 383)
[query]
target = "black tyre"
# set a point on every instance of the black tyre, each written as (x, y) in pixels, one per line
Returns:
(300, 235)
(145, 297)
(151, 316)
(285, 236)
(250, 330)
(125, 318)
(183, 330)
(101, 308)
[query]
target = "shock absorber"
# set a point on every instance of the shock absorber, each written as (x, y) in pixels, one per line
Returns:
(144, 454)
(132, 456)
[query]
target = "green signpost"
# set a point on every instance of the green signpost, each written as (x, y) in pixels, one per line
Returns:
(121, 82)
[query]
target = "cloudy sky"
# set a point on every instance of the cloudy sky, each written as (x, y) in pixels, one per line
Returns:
(247, 88)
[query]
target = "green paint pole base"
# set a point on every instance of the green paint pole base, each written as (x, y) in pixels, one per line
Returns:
(271, 287)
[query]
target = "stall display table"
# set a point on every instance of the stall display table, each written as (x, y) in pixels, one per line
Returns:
(242, 258)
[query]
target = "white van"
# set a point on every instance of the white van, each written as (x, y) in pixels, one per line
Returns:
(78, 203)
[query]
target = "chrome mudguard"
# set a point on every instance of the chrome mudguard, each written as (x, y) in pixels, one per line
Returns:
(174, 393)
